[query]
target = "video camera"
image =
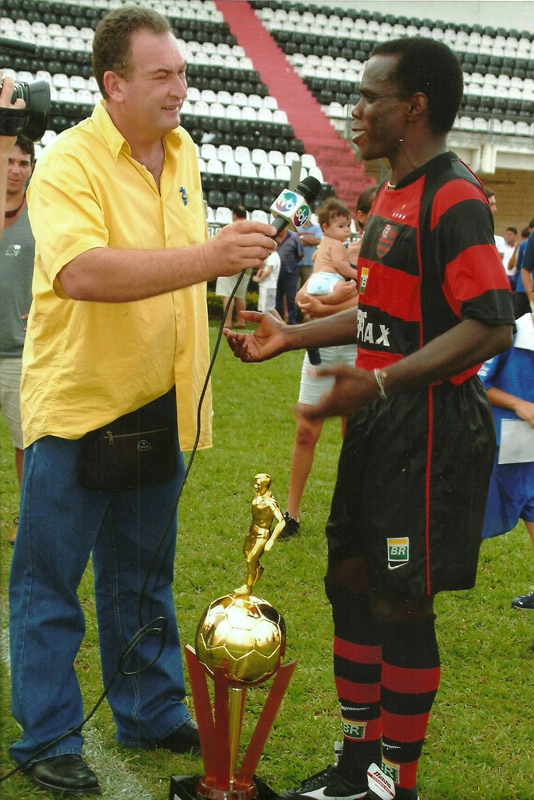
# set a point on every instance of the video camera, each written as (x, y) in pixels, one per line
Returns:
(31, 121)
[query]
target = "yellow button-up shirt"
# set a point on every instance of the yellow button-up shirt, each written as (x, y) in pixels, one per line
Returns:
(87, 363)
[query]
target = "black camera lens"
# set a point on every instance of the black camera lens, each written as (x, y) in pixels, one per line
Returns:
(36, 95)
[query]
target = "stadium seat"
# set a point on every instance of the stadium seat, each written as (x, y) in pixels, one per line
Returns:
(248, 170)
(232, 168)
(215, 166)
(233, 198)
(266, 171)
(252, 201)
(241, 154)
(223, 215)
(225, 153)
(283, 173)
(215, 198)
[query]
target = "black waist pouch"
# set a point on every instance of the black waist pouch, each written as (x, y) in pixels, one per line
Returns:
(138, 449)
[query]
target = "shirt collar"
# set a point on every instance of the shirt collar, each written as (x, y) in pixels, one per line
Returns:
(114, 138)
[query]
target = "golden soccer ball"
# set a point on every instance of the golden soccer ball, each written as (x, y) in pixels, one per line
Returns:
(243, 634)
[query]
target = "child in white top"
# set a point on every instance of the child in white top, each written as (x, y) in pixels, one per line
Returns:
(267, 277)
(331, 265)
(331, 261)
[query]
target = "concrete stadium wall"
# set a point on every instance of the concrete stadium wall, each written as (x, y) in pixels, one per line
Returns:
(498, 13)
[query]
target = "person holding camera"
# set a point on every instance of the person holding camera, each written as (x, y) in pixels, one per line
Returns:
(17, 253)
(117, 340)
(6, 142)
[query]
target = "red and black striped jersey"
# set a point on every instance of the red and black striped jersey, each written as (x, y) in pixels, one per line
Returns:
(428, 261)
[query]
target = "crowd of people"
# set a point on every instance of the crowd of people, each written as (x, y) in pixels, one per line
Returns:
(112, 336)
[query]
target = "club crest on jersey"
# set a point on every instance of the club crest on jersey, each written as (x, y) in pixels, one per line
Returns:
(398, 552)
(386, 239)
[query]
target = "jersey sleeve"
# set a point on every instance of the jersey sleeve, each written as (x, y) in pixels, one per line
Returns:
(475, 283)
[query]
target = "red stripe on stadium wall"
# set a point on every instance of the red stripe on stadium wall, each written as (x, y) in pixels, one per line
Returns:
(449, 195)
(404, 727)
(406, 680)
(359, 654)
(358, 692)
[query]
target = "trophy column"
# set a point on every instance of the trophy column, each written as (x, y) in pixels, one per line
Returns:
(239, 643)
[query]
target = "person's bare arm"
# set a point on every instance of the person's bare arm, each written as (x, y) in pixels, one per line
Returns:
(272, 336)
(340, 260)
(522, 408)
(344, 295)
(115, 275)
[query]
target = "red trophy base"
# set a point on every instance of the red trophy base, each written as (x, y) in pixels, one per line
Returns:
(219, 731)
(186, 788)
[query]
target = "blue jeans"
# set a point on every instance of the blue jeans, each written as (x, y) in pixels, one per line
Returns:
(60, 525)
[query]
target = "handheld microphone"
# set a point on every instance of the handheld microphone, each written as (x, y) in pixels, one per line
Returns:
(291, 208)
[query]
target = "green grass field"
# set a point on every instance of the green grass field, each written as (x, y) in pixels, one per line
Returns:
(480, 738)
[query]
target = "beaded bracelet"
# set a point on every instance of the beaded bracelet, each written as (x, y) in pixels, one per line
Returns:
(380, 378)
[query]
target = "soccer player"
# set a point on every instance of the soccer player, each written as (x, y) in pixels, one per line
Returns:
(407, 510)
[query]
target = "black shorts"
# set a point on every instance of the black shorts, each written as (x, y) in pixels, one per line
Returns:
(411, 489)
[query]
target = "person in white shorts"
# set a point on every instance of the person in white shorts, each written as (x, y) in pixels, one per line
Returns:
(267, 277)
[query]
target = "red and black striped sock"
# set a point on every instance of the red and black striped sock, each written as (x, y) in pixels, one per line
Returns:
(357, 668)
(410, 680)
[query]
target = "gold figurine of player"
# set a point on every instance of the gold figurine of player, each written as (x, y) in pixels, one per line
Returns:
(260, 538)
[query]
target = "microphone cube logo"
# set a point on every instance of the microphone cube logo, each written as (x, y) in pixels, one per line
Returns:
(292, 207)
(301, 217)
(286, 202)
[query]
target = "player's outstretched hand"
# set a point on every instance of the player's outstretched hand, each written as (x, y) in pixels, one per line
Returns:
(268, 340)
(353, 390)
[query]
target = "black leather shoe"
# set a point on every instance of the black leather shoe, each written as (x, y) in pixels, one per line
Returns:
(68, 775)
(184, 740)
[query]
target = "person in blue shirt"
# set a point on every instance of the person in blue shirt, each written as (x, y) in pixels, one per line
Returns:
(509, 382)
(521, 297)
(310, 237)
(291, 253)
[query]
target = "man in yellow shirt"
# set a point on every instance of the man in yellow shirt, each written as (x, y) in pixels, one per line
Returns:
(118, 325)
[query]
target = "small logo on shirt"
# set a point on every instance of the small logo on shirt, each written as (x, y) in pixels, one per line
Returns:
(13, 250)
(184, 195)
(398, 552)
(386, 240)
(363, 279)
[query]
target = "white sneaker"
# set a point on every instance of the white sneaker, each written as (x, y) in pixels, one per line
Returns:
(327, 785)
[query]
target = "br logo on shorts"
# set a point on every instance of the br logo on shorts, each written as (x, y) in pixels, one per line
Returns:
(398, 552)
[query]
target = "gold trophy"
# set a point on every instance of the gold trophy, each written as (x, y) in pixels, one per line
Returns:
(239, 643)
